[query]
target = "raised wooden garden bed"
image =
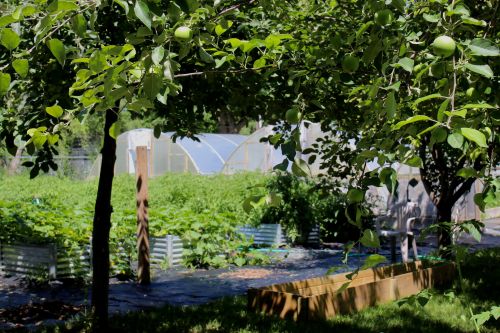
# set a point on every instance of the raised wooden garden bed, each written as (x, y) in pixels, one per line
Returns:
(320, 298)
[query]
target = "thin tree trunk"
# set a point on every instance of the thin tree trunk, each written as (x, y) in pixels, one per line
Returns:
(101, 228)
(444, 233)
(14, 164)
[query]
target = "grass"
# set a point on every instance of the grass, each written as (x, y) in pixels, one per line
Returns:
(443, 313)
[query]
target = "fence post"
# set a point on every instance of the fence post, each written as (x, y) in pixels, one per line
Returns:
(170, 250)
(143, 269)
(52, 261)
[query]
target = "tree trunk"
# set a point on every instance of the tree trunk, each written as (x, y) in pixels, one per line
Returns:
(101, 228)
(444, 233)
(14, 164)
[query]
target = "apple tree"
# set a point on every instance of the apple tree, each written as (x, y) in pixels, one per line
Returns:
(409, 82)
(65, 60)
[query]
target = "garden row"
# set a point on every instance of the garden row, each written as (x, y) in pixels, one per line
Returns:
(205, 212)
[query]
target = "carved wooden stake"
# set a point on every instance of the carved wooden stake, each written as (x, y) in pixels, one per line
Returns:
(143, 266)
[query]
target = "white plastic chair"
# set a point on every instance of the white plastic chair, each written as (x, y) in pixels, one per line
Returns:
(400, 219)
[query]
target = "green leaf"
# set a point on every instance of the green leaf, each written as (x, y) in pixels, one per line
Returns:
(223, 27)
(370, 238)
(55, 111)
(481, 318)
(431, 18)
(58, 51)
(467, 173)
(473, 21)
(406, 64)
(428, 129)
(114, 130)
(426, 98)
(158, 54)
(483, 70)
(141, 10)
(251, 202)
(456, 140)
(205, 56)
(495, 312)
(334, 269)
(372, 51)
(39, 140)
(123, 4)
(355, 195)
(29, 10)
(300, 168)
(240, 261)
(479, 201)
(273, 199)
(79, 25)
(458, 113)
(475, 136)
(235, 42)
(4, 83)
(415, 161)
(472, 230)
(411, 120)
(9, 39)
(259, 63)
(6, 20)
(373, 260)
(21, 67)
(53, 138)
(442, 108)
(220, 62)
(151, 85)
(390, 105)
(478, 106)
(363, 28)
(62, 5)
(251, 44)
(97, 62)
(483, 47)
(439, 135)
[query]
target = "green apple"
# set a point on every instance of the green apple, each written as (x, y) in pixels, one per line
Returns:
(183, 33)
(444, 46)
(350, 64)
(472, 93)
(293, 115)
(383, 17)
(437, 69)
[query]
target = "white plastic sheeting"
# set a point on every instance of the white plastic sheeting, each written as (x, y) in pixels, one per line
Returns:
(254, 155)
(206, 156)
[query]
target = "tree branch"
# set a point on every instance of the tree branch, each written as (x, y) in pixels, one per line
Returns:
(63, 23)
(234, 7)
(223, 72)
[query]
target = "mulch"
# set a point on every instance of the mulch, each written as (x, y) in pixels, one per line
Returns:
(254, 273)
(35, 313)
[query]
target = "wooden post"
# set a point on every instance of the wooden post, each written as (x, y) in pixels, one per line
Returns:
(141, 170)
(53, 261)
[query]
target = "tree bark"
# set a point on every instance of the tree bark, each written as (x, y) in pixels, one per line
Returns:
(101, 228)
(444, 212)
(14, 164)
(143, 263)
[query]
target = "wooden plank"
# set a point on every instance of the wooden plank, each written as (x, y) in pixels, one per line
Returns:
(143, 269)
(319, 297)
